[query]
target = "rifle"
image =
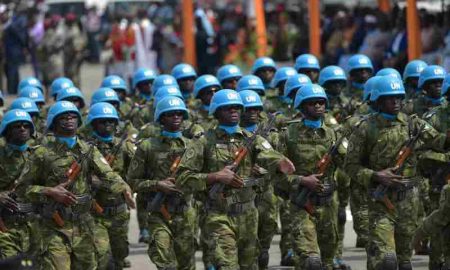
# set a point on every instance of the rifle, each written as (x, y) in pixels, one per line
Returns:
(71, 175)
(269, 126)
(405, 152)
(111, 157)
(157, 203)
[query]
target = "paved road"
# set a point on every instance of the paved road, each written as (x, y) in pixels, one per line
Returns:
(91, 78)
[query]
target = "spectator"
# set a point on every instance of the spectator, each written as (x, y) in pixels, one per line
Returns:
(93, 27)
(396, 55)
(432, 40)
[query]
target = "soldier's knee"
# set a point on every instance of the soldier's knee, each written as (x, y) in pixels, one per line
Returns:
(263, 259)
(313, 263)
(389, 262)
(405, 266)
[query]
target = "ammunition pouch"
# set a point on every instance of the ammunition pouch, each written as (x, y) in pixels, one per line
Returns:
(234, 209)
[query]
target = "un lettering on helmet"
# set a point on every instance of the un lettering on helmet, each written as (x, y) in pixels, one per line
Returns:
(419, 69)
(110, 93)
(250, 98)
(115, 81)
(167, 81)
(186, 69)
(21, 114)
(148, 73)
(316, 90)
(174, 102)
(107, 110)
(267, 61)
(232, 96)
(252, 82)
(363, 61)
(290, 72)
(71, 90)
(233, 70)
(33, 95)
(172, 90)
(438, 71)
(209, 79)
(395, 85)
(311, 61)
(338, 72)
(302, 79)
(26, 104)
(67, 104)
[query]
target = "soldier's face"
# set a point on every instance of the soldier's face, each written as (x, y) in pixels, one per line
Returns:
(360, 75)
(206, 94)
(390, 104)
(18, 133)
(104, 127)
(121, 93)
(433, 88)
(77, 101)
(230, 83)
(172, 120)
(187, 84)
(229, 115)
(265, 74)
(66, 123)
(314, 108)
(334, 87)
(412, 83)
(251, 115)
(313, 74)
(145, 87)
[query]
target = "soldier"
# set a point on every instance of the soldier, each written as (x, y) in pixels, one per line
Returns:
(73, 95)
(17, 234)
(229, 225)
(142, 84)
(251, 82)
(186, 76)
(228, 76)
(31, 82)
(430, 82)
(112, 222)
(411, 79)
(74, 48)
(373, 148)
(34, 94)
(57, 178)
(389, 72)
(153, 174)
(117, 84)
(359, 70)
(274, 102)
(204, 88)
(309, 65)
(314, 232)
(58, 84)
(265, 68)
(30, 107)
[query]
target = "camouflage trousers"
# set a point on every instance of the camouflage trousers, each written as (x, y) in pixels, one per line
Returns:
(286, 226)
(172, 243)
(316, 235)
(111, 238)
(267, 204)
(232, 240)
(20, 238)
(391, 233)
(343, 189)
(141, 211)
(436, 243)
(69, 248)
(359, 207)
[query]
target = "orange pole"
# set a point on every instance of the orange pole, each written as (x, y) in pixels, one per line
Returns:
(314, 27)
(188, 33)
(261, 35)
(413, 30)
(384, 5)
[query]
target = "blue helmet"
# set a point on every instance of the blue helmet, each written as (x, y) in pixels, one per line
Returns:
(104, 94)
(433, 72)
(389, 72)
(59, 108)
(445, 85)
(24, 104)
(306, 60)
(205, 81)
(250, 99)
(223, 98)
(32, 93)
(60, 83)
(13, 116)
(115, 82)
(387, 86)
(182, 71)
(282, 74)
(167, 91)
(250, 82)
(263, 62)
(309, 91)
(143, 74)
(168, 104)
(413, 69)
(359, 61)
(331, 73)
(163, 80)
(102, 110)
(70, 93)
(295, 82)
(227, 72)
(368, 86)
(30, 81)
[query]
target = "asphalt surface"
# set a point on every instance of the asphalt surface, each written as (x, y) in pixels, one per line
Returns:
(91, 76)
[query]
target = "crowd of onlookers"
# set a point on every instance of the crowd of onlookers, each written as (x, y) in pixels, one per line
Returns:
(151, 36)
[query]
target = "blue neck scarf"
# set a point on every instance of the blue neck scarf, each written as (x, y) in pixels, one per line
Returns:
(434, 101)
(205, 107)
(169, 134)
(147, 97)
(388, 116)
(106, 139)
(69, 141)
(312, 123)
(229, 129)
(251, 128)
(186, 95)
(359, 86)
(286, 100)
(20, 148)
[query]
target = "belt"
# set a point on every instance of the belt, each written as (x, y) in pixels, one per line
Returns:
(251, 182)
(233, 209)
(114, 210)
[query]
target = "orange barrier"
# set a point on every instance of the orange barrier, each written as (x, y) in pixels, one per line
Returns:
(188, 33)
(261, 34)
(384, 5)
(314, 27)
(413, 30)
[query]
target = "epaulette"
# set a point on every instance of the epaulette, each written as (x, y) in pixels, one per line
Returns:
(430, 113)
(144, 126)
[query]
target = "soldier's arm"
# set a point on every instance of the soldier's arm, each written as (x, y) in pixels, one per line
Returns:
(266, 155)
(192, 175)
(431, 138)
(141, 167)
(440, 217)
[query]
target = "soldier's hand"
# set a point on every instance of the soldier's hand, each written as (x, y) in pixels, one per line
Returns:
(229, 177)
(167, 186)
(129, 199)
(61, 195)
(387, 177)
(258, 171)
(7, 202)
(286, 166)
(312, 182)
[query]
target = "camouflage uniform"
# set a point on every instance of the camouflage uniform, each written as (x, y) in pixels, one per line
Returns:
(202, 118)
(420, 106)
(314, 237)
(50, 57)
(190, 130)
(229, 225)
(171, 243)
(374, 147)
(74, 45)
(70, 246)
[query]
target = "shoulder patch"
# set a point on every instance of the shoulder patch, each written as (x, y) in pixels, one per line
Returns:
(102, 159)
(266, 145)
(190, 153)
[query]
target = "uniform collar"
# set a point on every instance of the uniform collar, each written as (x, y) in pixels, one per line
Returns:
(221, 133)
